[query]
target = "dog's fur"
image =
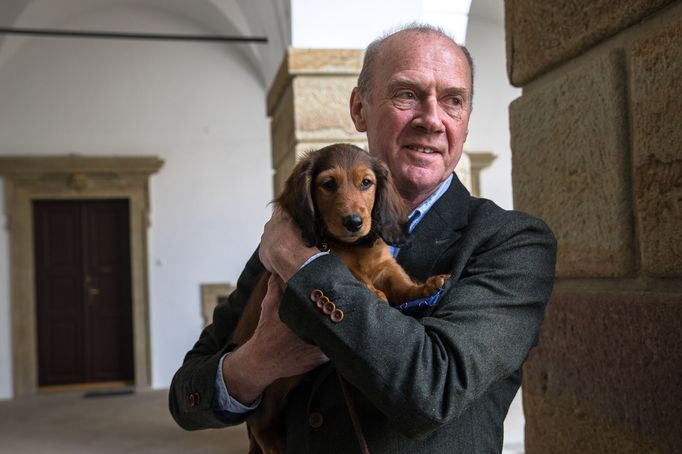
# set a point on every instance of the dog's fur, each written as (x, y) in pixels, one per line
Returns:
(343, 200)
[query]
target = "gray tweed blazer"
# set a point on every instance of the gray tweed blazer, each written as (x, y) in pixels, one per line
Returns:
(437, 381)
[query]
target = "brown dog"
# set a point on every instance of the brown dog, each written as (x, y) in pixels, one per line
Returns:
(343, 200)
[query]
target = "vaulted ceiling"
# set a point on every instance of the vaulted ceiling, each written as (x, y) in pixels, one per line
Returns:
(242, 18)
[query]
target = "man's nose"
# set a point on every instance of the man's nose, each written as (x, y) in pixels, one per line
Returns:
(428, 116)
(352, 222)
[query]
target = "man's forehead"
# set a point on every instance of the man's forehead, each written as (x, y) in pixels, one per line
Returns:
(407, 40)
(405, 50)
(404, 64)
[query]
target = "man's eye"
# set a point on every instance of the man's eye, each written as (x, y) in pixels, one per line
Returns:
(455, 101)
(405, 95)
(329, 185)
(366, 183)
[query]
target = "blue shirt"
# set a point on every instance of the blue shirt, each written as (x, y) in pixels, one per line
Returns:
(418, 213)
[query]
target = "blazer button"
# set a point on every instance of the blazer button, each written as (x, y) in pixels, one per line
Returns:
(315, 420)
(193, 399)
(315, 295)
(321, 302)
(328, 308)
(336, 315)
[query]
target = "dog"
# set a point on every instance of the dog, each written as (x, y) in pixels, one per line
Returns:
(344, 201)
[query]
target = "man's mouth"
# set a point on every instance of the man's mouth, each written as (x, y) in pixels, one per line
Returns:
(419, 149)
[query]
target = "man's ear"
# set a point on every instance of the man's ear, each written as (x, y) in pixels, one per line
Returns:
(357, 110)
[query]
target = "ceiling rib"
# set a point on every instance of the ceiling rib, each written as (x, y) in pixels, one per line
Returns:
(131, 36)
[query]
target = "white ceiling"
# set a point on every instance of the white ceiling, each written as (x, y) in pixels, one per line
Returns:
(243, 18)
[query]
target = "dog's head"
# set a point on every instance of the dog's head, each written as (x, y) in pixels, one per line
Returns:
(341, 193)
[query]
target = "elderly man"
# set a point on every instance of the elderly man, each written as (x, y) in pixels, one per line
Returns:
(438, 380)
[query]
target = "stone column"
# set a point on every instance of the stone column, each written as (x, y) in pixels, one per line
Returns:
(309, 108)
(309, 105)
(596, 152)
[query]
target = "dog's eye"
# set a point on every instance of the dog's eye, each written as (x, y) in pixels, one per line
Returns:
(329, 185)
(366, 183)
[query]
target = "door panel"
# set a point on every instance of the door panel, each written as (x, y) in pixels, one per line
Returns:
(107, 274)
(58, 292)
(84, 305)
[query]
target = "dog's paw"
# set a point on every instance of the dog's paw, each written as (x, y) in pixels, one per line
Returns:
(380, 294)
(432, 284)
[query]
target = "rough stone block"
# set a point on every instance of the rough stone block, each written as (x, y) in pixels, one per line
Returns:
(656, 62)
(541, 34)
(569, 166)
(282, 131)
(282, 171)
(308, 103)
(605, 376)
(330, 62)
(322, 109)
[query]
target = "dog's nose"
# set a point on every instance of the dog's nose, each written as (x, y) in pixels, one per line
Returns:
(352, 222)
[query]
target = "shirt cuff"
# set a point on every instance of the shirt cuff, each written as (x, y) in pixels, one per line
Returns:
(319, 254)
(226, 402)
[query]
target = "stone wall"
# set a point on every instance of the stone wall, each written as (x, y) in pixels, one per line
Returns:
(597, 153)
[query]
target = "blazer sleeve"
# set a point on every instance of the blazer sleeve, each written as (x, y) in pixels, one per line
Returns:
(422, 372)
(192, 395)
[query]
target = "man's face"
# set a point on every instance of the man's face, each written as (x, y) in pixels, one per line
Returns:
(416, 113)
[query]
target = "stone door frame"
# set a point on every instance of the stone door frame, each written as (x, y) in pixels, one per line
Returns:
(62, 178)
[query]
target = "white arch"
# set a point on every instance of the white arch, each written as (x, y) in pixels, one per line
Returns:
(223, 17)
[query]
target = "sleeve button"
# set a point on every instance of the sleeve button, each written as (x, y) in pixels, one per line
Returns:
(328, 308)
(316, 294)
(321, 302)
(193, 399)
(336, 315)
(315, 420)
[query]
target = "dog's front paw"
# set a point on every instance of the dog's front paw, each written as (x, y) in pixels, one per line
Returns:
(380, 294)
(432, 284)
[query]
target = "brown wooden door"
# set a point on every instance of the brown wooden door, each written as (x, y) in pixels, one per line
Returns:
(83, 293)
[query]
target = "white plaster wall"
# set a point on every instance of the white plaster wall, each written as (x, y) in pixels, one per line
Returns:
(353, 24)
(489, 124)
(197, 106)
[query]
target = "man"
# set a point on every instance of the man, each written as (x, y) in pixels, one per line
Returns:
(436, 380)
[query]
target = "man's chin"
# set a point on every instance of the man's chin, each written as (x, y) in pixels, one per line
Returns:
(419, 181)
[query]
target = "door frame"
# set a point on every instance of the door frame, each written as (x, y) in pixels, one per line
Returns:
(63, 178)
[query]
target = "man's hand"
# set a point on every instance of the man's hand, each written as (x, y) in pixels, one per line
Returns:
(282, 249)
(273, 352)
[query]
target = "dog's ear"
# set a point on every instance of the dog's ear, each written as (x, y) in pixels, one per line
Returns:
(297, 200)
(389, 214)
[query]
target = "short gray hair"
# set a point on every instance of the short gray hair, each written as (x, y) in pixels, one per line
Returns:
(365, 79)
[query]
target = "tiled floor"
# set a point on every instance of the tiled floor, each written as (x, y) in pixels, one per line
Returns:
(131, 424)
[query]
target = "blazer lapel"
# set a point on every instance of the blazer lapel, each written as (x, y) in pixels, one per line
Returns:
(437, 232)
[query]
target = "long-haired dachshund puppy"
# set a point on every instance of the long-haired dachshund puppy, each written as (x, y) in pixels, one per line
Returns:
(343, 200)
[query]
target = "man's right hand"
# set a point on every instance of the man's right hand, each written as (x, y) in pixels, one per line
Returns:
(273, 352)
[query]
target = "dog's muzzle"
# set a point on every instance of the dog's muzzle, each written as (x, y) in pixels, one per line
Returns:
(352, 222)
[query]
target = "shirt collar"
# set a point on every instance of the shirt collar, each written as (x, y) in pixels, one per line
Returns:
(418, 213)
